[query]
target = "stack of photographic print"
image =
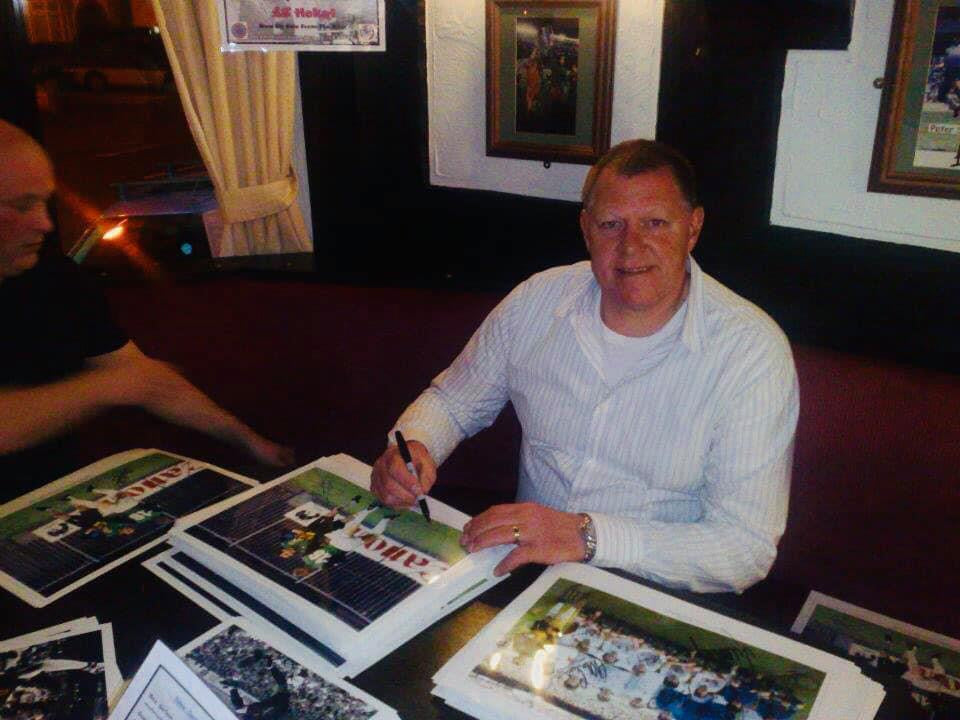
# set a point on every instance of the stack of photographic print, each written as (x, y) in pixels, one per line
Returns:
(919, 669)
(242, 664)
(316, 548)
(583, 643)
(66, 672)
(64, 534)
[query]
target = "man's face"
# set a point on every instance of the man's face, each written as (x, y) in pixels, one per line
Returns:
(26, 183)
(639, 231)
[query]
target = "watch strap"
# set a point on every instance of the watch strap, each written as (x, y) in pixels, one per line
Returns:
(589, 534)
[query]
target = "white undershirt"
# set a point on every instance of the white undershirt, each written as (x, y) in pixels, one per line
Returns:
(622, 355)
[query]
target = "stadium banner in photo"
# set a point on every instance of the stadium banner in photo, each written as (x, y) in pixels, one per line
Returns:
(259, 673)
(60, 673)
(920, 669)
(311, 25)
(66, 533)
(917, 146)
(316, 547)
(583, 643)
(550, 79)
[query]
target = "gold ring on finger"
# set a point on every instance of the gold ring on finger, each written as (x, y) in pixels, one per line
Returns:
(516, 534)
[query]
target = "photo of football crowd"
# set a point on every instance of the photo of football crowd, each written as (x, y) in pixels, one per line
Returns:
(257, 681)
(592, 655)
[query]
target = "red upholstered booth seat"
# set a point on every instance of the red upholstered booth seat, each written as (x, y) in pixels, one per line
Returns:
(875, 505)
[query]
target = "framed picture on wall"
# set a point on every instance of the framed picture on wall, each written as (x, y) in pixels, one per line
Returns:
(917, 146)
(550, 79)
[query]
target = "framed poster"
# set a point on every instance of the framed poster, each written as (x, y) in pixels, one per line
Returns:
(550, 79)
(319, 25)
(917, 146)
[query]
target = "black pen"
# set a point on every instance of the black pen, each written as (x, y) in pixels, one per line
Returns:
(408, 459)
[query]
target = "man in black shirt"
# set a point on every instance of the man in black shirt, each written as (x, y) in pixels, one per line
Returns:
(62, 360)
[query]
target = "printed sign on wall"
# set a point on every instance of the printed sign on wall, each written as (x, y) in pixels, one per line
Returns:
(324, 25)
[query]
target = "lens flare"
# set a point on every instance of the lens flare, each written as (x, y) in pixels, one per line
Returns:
(115, 232)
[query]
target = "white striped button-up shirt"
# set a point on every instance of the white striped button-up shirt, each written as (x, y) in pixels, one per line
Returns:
(683, 464)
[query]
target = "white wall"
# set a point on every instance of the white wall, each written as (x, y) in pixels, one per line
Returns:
(827, 127)
(457, 98)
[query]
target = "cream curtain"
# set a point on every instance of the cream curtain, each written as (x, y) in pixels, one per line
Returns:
(239, 106)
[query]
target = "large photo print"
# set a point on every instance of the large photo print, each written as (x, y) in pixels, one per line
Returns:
(257, 680)
(920, 669)
(591, 654)
(333, 544)
(57, 541)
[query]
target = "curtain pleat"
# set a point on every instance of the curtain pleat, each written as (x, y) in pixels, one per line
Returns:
(239, 107)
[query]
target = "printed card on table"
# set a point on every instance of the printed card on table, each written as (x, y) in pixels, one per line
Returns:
(164, 688)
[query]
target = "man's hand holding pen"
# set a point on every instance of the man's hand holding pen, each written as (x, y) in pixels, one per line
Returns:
(541, 534)
(394, 484)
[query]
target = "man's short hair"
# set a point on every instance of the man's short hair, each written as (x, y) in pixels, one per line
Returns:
(635, 157)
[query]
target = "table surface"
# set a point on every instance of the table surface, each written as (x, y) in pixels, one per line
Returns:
(144, 608)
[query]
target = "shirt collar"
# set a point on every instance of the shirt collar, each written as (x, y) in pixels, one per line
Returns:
(692, 335)
(578, 299)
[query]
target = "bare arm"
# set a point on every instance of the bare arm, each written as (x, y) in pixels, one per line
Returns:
(30, 415)
(123, 377)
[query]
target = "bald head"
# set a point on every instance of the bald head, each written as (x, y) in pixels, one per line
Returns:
(12, 136)
(15, 142)
(26, 184)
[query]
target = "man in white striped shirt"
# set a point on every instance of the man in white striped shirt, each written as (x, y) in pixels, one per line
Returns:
(658, 408)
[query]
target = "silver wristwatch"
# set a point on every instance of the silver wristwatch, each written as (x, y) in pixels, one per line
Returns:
(589, 534)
